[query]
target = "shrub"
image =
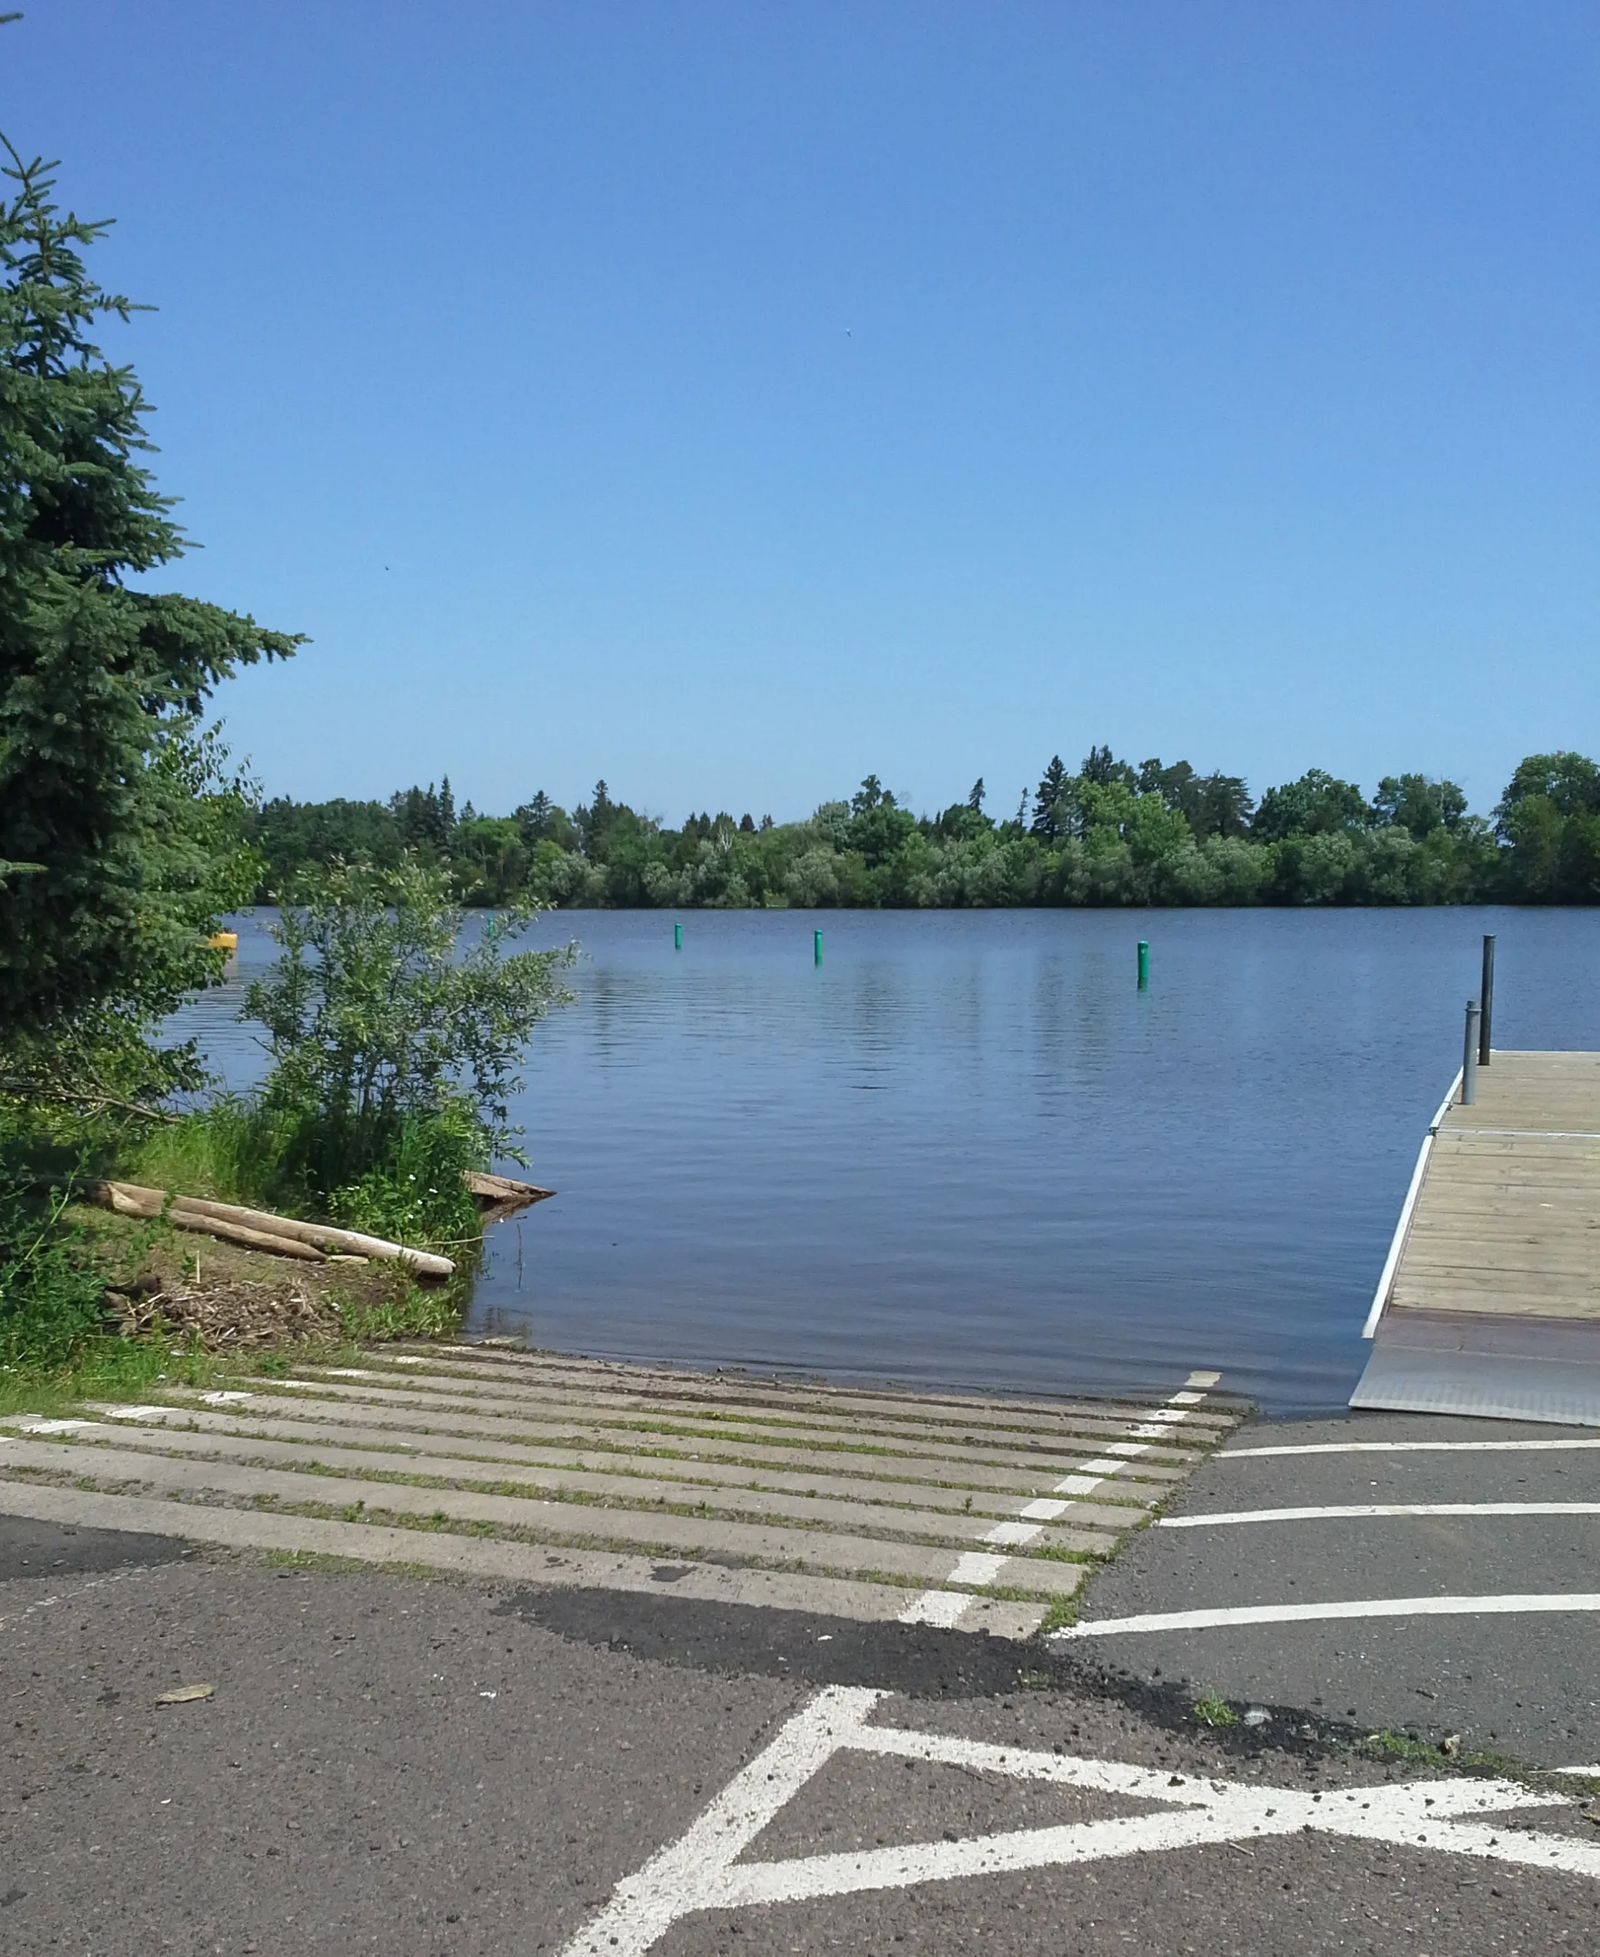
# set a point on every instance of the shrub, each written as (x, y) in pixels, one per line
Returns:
(377, 1020)
(50, 1295)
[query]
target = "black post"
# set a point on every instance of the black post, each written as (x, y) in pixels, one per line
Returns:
(1487, 996)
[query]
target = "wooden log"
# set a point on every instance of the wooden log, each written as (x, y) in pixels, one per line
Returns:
(129, 1200)
(493, 1190)
(322, 1236)
(498, 1197)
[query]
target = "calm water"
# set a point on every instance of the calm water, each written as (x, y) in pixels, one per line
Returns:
(969, 1150)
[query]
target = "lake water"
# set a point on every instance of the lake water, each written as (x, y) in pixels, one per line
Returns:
(968, 1150)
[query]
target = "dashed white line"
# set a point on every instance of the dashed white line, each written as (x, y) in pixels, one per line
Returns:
(943, 1609)
(1365, 1511)
(1236, 1614)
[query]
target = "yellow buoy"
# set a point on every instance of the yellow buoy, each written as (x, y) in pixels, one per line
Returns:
(223, 941)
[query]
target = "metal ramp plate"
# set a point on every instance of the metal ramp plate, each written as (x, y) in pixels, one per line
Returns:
(1495, 1386)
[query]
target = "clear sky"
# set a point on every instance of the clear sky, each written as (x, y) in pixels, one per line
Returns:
(730, 398)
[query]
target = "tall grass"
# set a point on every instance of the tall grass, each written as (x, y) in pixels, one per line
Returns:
(234, 1151)
(242, 1151)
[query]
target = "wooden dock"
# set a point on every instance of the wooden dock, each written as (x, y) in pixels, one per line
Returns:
(1489, 1301)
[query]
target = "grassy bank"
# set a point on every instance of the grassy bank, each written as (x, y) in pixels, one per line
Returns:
(146, 1306)
(99, 1306)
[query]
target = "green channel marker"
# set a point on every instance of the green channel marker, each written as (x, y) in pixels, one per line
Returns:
(816, 947)
(677, 937)
(1144, 964)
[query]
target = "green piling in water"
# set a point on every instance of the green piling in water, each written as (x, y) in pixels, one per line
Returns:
(816, 947)
(677, 937)
(1144, 964)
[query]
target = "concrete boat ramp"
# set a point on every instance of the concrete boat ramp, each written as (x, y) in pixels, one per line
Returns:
(919, 1508)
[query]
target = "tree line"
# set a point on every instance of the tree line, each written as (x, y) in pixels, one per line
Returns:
(1111, 833)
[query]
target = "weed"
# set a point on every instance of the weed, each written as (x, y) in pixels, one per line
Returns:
(1390, 1745)
(1060, 1615)
(1213, 1711)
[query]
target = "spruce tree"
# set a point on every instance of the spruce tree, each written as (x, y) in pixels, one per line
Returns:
(120, 838)
(1047, 814)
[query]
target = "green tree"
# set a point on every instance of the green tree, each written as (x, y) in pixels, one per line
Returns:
(375, 1017)
(1101, 768)
(1216, 805)
(1318, 804)
(1569, 782)
(1418, 805)
(869, 796)
(534, 818)
(121, 825)
(1049, 811)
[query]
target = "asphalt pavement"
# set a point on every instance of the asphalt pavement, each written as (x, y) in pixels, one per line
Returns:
(388, 1763)
(1407, 1574)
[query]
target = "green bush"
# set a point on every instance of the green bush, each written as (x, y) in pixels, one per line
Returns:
(380, 1024)
(50, 1294)
(415, 1194)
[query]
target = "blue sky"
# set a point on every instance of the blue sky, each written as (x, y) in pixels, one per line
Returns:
(731, 399)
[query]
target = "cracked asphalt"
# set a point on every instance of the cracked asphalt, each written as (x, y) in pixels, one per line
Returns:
(397, 1765)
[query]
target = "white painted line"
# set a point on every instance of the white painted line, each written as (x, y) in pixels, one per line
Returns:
(1363, 1511)
(645, 1906)
(1208, 1620)
(707, 1868)
(232, 1398)
(1014, 1534)
(937, 1606)
(54, 1426)
(943, 1609)
(975, 1567)
(1401, 1447)
(138, 1413)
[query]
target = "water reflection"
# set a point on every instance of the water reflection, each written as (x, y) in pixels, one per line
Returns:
(967, 1149)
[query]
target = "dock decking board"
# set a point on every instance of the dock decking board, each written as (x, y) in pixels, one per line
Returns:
(1507, 1220)
(1493, 1299)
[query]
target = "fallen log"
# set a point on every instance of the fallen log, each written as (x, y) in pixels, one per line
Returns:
(319, 1237)
(127, 1199)
(501, 1196)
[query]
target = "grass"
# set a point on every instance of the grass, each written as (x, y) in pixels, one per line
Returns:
(1213, 1711)
(229, 1152)
(108, 1369)
(1391, 1745)
(1061, 1615)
